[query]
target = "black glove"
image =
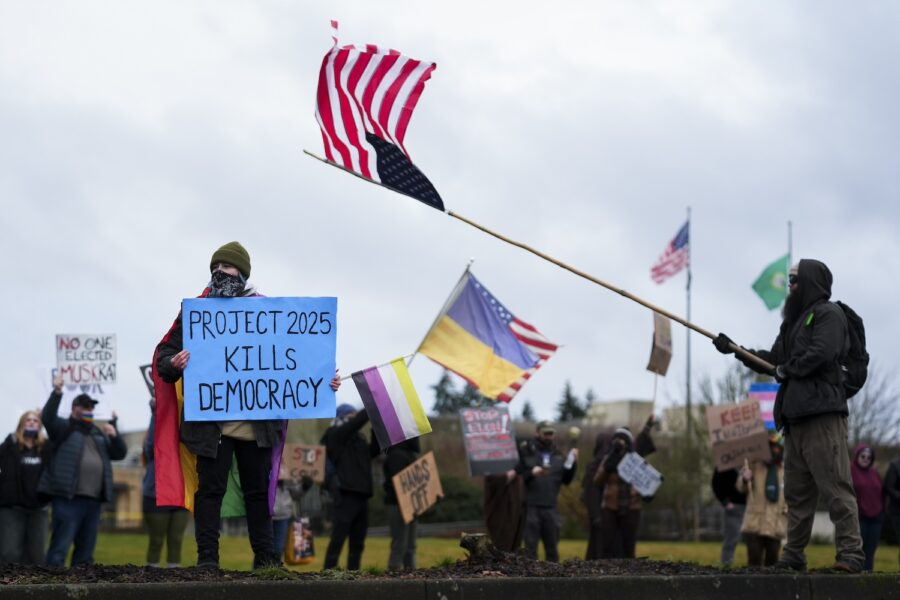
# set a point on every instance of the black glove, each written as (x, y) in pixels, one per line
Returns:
(723, 344)
(613, 457)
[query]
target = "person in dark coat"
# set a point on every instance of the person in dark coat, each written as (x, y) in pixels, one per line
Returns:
(734, 503)
(403, 535)
(218, 443)
(350, 484)
(811, 408)
(23, 513)
(544, 470)
(892, 495)
(592, 495)
(79, 478)
(504, 511)
(870, 498)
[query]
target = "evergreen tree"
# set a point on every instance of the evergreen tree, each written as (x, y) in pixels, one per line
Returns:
(569, 407)
(448, 400)
(528, 411)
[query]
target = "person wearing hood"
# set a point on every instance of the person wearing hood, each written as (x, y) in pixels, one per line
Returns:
(348, 478)
(620, 514)
(79, 477)
(765, 518)
(544, 470)
(217, 443)
(870, 498)
(23, 513)
(811, 410)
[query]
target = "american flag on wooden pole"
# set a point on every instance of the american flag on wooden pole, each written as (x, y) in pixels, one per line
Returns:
(674, 258)
(364, 102)
(537, 343)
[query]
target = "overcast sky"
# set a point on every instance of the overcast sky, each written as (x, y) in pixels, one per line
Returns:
(137, 137)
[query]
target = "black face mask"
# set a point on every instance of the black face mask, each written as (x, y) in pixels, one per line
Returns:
(30, 433)
(793, 306)
(223, 285)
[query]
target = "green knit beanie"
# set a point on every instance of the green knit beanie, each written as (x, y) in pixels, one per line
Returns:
(233, 254)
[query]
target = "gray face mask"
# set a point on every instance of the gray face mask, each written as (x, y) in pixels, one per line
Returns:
(223, 285)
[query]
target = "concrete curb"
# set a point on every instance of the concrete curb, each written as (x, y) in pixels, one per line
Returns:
(694, 587)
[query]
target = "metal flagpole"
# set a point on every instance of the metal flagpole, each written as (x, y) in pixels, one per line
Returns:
(735, 347)
(688, 337)
(790, 261)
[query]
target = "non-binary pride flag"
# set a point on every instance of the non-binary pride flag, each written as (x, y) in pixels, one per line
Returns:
(392, 403)
(480, 340)
(674, 258)
(765, 393)
(365, 99)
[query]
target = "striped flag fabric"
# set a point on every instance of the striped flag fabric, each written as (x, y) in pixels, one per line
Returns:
(765, 394)
(392, 403)
(537, 343)
(481, 340)
(365, 99)
(674, 258)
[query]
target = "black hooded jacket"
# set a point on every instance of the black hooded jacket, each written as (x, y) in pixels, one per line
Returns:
(809, 350)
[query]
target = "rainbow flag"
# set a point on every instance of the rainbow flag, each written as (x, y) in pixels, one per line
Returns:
(765, 393)
(392, 403)
(475, 337)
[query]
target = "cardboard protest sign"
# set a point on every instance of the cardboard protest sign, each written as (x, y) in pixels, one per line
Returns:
(661, 353)
(259, 358)
(84, 359)
(147, 374)
(103, 394)
(637, 472)
(488, 438)
(299, 460)
(418, 487)
(736, 432)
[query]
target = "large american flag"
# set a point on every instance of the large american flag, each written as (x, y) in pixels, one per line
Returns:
(674, 258)
(527, 334)
(365, 99)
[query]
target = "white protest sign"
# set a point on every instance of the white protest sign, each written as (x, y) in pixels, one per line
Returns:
(103, 410)
(84, 359)
(637, 472)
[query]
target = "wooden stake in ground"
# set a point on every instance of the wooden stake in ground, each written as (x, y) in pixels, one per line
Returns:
(624, 293)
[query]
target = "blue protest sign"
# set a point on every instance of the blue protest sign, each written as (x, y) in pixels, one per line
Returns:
(259, 358)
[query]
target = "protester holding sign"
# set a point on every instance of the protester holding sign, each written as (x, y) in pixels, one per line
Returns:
(545, 470)
(79, 478)
(592, 495)
(217, 443)
(23, 514)
(765, 518)
(621, 505)
(350, 484)
(403, 535)
(287, 493)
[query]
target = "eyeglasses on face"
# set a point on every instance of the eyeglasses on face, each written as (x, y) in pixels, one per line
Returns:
(792, 279)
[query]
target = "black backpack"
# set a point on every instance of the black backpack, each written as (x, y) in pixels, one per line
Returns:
(855, 365)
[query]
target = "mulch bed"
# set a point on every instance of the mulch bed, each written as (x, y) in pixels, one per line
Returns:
(509, 565)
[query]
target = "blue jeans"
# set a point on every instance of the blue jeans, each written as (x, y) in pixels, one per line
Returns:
(870, 530)
(73, 521)
(731, 531)
(24, 537)
(280, 533)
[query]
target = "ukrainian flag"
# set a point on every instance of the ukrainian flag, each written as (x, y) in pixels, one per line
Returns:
(472, 337)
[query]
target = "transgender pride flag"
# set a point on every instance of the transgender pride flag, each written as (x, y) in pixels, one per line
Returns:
(764, 393)
(393, 405)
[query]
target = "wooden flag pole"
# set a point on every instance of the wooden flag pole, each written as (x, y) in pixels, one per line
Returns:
(737, 349)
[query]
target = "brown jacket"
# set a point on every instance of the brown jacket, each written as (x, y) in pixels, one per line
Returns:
(610, 483)
(761, 516)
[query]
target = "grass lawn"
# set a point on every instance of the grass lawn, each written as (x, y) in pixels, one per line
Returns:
(235, 552)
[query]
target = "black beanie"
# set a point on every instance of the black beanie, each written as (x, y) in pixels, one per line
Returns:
(233, 254)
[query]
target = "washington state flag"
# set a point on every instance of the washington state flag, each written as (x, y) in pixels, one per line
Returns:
(772, 284)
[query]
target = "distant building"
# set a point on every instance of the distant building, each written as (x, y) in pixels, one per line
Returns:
(617, 413)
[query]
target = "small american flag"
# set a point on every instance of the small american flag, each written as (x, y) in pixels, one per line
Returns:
(674, 258)
(365, 99)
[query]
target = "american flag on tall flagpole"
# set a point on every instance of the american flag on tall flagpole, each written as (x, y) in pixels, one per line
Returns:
(537, 343)
(364, 102)
(674, 258)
